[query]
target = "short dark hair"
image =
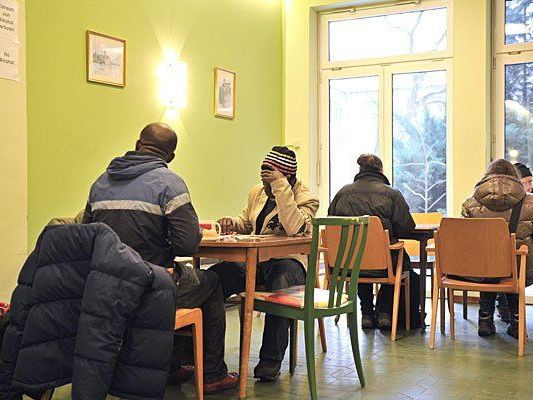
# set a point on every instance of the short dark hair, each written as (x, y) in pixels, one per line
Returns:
(523, 170)
(158, 138)
(370, 163)
(501, 167)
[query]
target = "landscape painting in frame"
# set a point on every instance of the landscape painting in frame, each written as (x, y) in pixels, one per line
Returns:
(224, 93)
(106, 59)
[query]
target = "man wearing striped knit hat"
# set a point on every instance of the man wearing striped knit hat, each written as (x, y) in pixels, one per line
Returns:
(281, 205)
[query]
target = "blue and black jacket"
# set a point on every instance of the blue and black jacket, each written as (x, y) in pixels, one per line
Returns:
(148, 206)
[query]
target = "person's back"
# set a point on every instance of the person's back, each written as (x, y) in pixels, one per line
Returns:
(145, 203)
(150, 209)
(371, 194)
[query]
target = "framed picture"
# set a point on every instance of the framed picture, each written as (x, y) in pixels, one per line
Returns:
(224, 93)
(106, 59)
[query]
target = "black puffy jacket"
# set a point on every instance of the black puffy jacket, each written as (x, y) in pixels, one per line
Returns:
(371, 194)
(88, 310)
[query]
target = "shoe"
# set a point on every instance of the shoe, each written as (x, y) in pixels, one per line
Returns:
(485, 326)
(503, 313)
(230, 381)
(180, 375)
(368, 321)
(267, 370)
(512, 329)
(384, 323)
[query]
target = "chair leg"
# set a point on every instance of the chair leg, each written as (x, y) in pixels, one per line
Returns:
(395, 307)
(442, 311)
(407, 294)
(197, 331)
(434, 306)
(309, 331)
(465, 304)
(322, 332)
(293, 352)
(354, 338)
(521, 322)
(452, 313)
(48, 394)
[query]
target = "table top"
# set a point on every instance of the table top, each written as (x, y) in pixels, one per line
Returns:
(254, 241)
(427, 227)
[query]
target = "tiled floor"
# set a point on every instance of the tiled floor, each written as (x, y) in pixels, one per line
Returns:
(468, 368)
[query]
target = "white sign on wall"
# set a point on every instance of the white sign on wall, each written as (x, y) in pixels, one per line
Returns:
(9, 60)
(9, 17)
(9, 41)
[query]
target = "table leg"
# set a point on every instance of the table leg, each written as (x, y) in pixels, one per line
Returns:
(196, 262)
(423, 273)
(251, 267)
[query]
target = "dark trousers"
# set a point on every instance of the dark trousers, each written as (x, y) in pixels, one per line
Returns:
(386, 292)
(487, 302)
(273, 274)
(207, 296)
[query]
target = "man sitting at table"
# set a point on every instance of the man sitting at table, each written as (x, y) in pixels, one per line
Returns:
(282, 205)
(371, 194)
(150, 209)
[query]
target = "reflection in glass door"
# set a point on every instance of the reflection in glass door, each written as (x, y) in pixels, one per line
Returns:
(353, 126)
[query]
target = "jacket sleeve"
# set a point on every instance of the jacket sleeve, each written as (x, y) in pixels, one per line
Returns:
(295, 216)
(87, 214)
(243, 223)
(402, 220)
(465, 210)
(184, 228)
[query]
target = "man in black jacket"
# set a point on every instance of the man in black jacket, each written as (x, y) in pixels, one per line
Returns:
(150, 209)
(371, 194)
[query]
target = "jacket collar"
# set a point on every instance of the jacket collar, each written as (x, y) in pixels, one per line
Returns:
(371, 176)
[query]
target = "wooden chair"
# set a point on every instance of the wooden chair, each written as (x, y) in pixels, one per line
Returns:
(377, 256)
(307, 303)
(478, 248)
(193, 316)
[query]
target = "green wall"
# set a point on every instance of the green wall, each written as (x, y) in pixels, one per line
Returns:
(75, 128)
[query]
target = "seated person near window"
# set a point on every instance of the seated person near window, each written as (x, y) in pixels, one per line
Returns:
(282, 205)
(524, 173)
(371, 194)
(495, 196)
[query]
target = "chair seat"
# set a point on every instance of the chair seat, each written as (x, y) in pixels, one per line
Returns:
(294, 297)
(505, 285)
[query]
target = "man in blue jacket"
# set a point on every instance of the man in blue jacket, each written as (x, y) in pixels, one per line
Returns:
(150, 209)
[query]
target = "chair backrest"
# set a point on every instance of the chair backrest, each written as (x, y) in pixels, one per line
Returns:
(376, 255)
(412, 247)
(475, 248)
(348, 250)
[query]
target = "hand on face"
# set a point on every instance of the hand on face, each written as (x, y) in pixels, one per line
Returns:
(226, 225)
(270, 175)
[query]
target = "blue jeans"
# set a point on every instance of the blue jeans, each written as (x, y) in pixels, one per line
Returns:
(273, 274)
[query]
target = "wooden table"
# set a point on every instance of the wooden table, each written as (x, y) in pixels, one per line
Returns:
(251, 252)
(422, 233)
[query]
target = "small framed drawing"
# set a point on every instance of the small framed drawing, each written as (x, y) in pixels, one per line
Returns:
(106, 59)
(224, 93)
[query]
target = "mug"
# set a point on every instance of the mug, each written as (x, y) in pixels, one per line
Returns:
(210, 228)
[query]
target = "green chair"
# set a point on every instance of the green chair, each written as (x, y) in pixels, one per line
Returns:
(307, 303)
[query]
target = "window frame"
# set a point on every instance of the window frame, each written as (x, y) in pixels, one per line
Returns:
(503, 55)
(384, 67)
(373, 11)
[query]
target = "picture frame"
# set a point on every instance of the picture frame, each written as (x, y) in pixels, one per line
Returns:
(224, 93)
(106, 59)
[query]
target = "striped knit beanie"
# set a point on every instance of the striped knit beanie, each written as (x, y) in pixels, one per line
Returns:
(282, 159)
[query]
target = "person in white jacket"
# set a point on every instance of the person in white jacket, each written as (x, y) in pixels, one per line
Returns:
(281, 205)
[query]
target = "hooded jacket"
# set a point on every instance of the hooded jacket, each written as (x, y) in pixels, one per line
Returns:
(494, 197)
(88, 310)
(292, 215)
(371, 194)
(148, 206)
